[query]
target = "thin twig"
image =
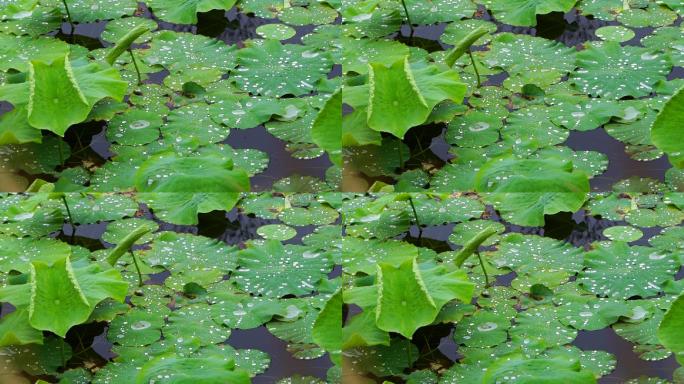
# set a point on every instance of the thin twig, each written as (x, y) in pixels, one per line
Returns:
(137, 268)
(71, 21)
(477, 73)
(415, 216)
(71, 219)
(135, 64)
(484, 270)
(408, 17)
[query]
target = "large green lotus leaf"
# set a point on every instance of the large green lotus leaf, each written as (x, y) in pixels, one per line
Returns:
(372, 24)
(583, 114)
(177, 51)
(644, 334)
(619, 271)
(362, 330)
(666, 131)
(134, 127)
(136, 328)
(410, 296)
(17, 253)
(474, 129)
(315, 214)
(439, 11)
(517, 368)
(178, 370)
(298, 334)
(670, 329)
(517, 53)
(540, 324)
(15, 329)
(655, 15)
(244, 311)
(56, 102)
(169, 172)
(57, 300)
(17, 51)
(611, 71)
(378, 160)
(36, 22)
(362, 255)
(116, 29)
(590, 162)
(192, 325)
(326, 328)
(382, 360)
(589, 313)
(118, 230)
(533, 127)
(183, 208)
(15, 128)
(357, 53)
(193, 123)
(404, 304)
(524, 12)
(528, 253)
(670, 239)
(185, 11)
(524, 190)
(482, 329)
(61, 94)
(313, 14)
(669, 39)
(453, 209)
(85, 11)
(383, 225)
(273, 270)
(91, 208)
(326, 131)
(275, 69)
(181, 252)
(402, 95)
(242, 111)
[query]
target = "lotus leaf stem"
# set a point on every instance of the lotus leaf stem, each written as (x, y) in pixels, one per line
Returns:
(71, 21)
(71, 219)
(126, 244)
(408, 17)
(137, 70)
(137, 268)
(484, 270)
(473, 244)
(415, 213)
(477, 73)
(464, 45)
(124, 43)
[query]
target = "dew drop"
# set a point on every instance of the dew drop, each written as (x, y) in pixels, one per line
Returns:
(139, 124)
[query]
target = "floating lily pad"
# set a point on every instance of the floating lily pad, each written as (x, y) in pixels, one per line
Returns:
(615, 33)
(623, 233)
(275, 31)
(277, 232)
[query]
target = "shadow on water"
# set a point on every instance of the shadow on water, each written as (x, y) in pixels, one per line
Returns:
(282, 363)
